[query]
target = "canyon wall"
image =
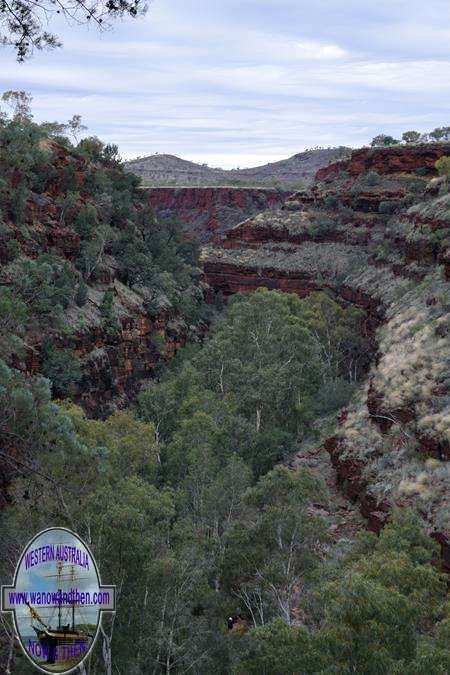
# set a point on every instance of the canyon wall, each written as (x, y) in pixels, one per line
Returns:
(375, 231)
(207, 213)
(388, 160)
(69, 230)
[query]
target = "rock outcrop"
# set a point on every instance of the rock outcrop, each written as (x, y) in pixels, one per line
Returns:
(114, 365)
(387, 160)
(375, 231)
(207, 213)
(147, 330)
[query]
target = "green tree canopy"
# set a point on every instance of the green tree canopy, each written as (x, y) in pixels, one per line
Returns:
(411, 136)
(384, 140)
(264, 358)
(443, 166)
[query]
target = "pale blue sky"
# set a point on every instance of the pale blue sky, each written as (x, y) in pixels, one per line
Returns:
(244, 82)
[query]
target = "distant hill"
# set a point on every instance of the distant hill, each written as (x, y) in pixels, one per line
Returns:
(169, 170)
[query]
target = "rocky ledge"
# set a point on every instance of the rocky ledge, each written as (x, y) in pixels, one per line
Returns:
(389, 160)
(375, 231)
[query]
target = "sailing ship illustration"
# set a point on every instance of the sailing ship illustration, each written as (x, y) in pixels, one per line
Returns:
(70, 640)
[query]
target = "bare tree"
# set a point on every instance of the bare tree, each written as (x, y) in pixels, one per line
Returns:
(75, 127)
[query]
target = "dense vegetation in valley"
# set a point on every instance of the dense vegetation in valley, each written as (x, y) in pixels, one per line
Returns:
(184, 494)
(184, 503)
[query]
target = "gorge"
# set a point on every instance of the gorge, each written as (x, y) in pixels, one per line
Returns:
(297, 365)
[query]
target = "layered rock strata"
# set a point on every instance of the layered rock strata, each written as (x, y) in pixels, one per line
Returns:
(375, 231)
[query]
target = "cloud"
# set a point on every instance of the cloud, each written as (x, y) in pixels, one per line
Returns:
(247, 81)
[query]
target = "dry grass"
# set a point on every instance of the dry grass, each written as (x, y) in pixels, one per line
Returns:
(412, 374)
(434, 209)
(332, 261)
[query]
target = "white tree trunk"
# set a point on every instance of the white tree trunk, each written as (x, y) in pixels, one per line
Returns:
(258, 419)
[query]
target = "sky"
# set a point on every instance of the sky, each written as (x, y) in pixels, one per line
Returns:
(237, 83)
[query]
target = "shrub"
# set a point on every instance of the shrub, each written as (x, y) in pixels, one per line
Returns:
(18, 202)
(373, 178)
(408, 200)
(86, 220)
(333, 395)
(69, 178)
(382, 252)
(13, 319)
(81, 294)
(443, 166)
(92, 148)
(331, 201)
(219, 301)
(411, 136)
(438, 238)
(109, 322)
(45, 285)
(159, 343)
(152, 306)
(62, 367)
(388, 207)
(13, 249)
(440, 134)
(321, 226)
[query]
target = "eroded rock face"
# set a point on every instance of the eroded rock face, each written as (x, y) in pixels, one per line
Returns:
(333, 237)
(349, 476)
(390, 160)
(374, 232)
(230, 279)
(207, 213)
(114, 364)
(445, 259)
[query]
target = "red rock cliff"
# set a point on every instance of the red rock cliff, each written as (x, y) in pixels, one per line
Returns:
(209, 212)
(390, 160)
(370, 239)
